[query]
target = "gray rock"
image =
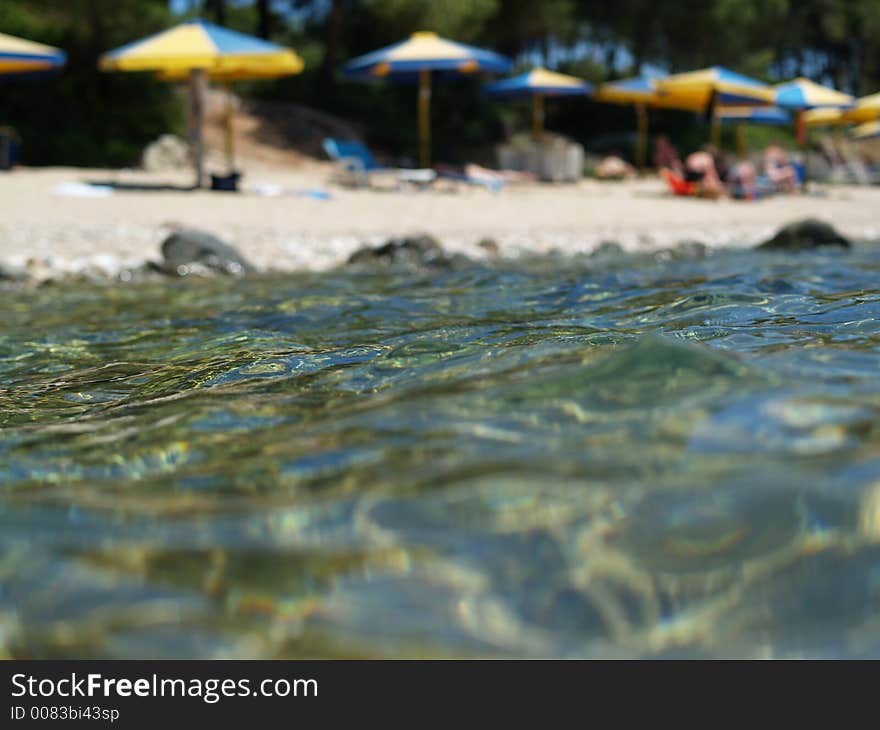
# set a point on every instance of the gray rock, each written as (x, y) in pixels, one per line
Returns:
(189, 251)
(608, 249)
(410, 252)
(166, 153)
(490, 246)
(11, 273)
(805, 234)
(689, 249)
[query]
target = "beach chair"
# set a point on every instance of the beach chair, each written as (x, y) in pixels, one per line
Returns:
(355, 165)
(677, 184)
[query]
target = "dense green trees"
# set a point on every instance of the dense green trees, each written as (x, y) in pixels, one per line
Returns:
(86, 117)
(82, 117)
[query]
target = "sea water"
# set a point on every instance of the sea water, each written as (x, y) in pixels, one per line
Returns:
(674, 454)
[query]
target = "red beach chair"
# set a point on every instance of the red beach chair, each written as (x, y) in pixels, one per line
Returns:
(677, 184)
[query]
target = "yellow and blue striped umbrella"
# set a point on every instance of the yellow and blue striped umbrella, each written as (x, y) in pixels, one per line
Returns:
(866, 109)
(643, 91)
(825, 117)
(198, 49)
(801, 95)
(718, 85)
(764, 115)
(417, 58)
(867, 130)
(19, 57)
(538, 83)
(804, 94)
(198, 45)
(425, 51)
(709, 88)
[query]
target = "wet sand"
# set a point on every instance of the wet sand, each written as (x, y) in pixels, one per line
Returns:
(294, 231)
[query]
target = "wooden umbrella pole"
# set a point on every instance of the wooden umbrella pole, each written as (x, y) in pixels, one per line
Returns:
(197, 104)
(802, 132)
(740, 141)
(716, 126)
(642, 141)
(230, 131)
(806, 156)
(425, 118)
(537, 117)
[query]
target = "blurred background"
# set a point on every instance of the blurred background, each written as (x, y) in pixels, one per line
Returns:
(103, 120)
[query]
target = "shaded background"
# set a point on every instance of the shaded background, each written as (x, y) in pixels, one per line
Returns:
(84, 117)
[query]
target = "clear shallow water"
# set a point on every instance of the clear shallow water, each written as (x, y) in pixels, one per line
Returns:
(615, 457)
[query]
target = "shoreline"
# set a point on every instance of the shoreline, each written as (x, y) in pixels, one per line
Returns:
(63, 235)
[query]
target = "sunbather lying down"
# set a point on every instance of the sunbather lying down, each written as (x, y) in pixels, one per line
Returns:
(478, 175)
(476, 172)
(614, 167)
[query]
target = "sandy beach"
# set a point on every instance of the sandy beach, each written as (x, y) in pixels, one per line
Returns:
(293, 229)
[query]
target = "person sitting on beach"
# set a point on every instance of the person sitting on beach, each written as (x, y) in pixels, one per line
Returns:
(701, 169)
(742, 179)
(779, 169)
(614, 167)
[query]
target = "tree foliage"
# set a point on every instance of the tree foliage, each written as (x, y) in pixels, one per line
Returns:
(81, 116)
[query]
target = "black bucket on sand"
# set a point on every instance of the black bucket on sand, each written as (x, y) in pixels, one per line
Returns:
(9, 148)
(227, 183)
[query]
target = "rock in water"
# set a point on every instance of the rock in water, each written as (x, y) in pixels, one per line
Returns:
(490, 246)
(805, 234)
(11, 273)
(607, 249)
(187, 250)
(411, 252)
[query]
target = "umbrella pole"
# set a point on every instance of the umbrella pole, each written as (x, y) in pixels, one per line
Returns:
(806, 156)
(537, 117)
(230, 131)
(642, 142)
(802, 133)
(197, 102)
(740, 141)
(425, 118)
(716, 127)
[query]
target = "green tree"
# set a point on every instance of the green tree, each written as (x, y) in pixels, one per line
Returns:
(81, 116)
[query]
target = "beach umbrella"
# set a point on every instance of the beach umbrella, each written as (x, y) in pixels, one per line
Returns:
(771, 116)
(417, 58)
(802, 95)
(538, 84)
(710, 88)
(197, 50)
(867, 130)
(22, 59)
(19, 57)
(642, 93)
(825, 118)
(866, 109)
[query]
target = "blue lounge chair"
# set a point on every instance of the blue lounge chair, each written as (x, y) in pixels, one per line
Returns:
(355, 164)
